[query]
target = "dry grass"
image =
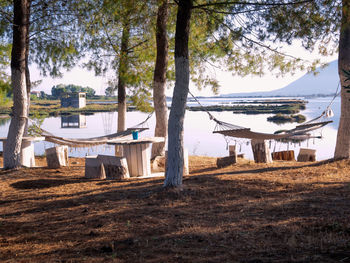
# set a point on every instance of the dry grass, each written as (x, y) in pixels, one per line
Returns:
(284, 212)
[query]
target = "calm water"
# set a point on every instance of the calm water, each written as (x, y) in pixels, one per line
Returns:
(198, 136)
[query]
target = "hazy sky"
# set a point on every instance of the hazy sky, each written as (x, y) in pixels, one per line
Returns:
(228, 83)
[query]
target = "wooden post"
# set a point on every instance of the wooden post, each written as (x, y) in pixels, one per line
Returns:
(119, 151)
(307, 155)
(284, 156)
(57, 156)
(261, 151)
(232, 152)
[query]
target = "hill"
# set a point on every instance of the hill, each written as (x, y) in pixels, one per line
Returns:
(325, 83)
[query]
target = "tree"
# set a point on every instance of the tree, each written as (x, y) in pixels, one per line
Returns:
(58, 90)
(90, 92)
(5, 52)
(174, 170)
(326, 25)
(159, 78)
(122, 74)
(240, 34)
(342, 149)
(119, 37)
(12, 147)
(40, 18)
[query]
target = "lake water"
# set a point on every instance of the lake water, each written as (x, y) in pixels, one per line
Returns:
(198, 136)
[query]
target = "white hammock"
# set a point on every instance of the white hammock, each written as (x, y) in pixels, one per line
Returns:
(94, 141)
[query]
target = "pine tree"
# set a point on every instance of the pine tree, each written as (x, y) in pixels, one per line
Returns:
(242, 35)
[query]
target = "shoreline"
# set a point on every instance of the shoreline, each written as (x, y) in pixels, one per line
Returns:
(53, 108)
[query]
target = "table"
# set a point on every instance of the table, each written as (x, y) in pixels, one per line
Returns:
(137, 154)
(27, 149)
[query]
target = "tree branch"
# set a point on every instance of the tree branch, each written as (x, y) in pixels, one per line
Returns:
(6, 16)
(274, 50)
(238, 12)
(136, 45)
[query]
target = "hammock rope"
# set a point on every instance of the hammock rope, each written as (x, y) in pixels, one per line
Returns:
(94, 141)
(328, 111)
(300, 132)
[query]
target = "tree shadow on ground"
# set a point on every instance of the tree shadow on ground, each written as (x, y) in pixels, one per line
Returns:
(265, 169)
(43, 183)
(210, 219)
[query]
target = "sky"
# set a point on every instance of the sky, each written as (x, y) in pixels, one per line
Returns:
(228, 83)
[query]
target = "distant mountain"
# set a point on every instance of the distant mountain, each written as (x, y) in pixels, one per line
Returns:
(325, 82)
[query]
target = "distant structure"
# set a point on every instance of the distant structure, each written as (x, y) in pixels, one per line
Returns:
(36, 93)
(74, 100)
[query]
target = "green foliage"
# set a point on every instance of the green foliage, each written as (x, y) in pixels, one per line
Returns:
(54, 35)
(5, 86)
(109, 91)
(4, 100)
(37, 120)
(33, 97)
(112, 23)
(43, 95)
(59, 90)
(5, 54)
(239, 36)
(141, 99)
(245, 37)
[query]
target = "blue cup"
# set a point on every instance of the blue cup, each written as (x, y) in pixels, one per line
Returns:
(135, 135)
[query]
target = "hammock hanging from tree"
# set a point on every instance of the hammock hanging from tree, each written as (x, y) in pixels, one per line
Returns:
(94, 141)
(299, 133)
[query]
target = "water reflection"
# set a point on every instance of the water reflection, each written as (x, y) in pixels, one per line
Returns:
(198, 128)
(73, 121)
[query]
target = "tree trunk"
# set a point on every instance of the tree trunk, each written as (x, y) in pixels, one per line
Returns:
(174, 171)
(123, 66)
(28, 82)
(159, 80)
(12, 151)
(342, 149)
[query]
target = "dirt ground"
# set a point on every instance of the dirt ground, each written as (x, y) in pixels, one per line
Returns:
(281, 212)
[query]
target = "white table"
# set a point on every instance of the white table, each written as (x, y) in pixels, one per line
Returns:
(137, 154)
(27, 151)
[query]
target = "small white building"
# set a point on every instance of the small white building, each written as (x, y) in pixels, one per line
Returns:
(74, 100)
